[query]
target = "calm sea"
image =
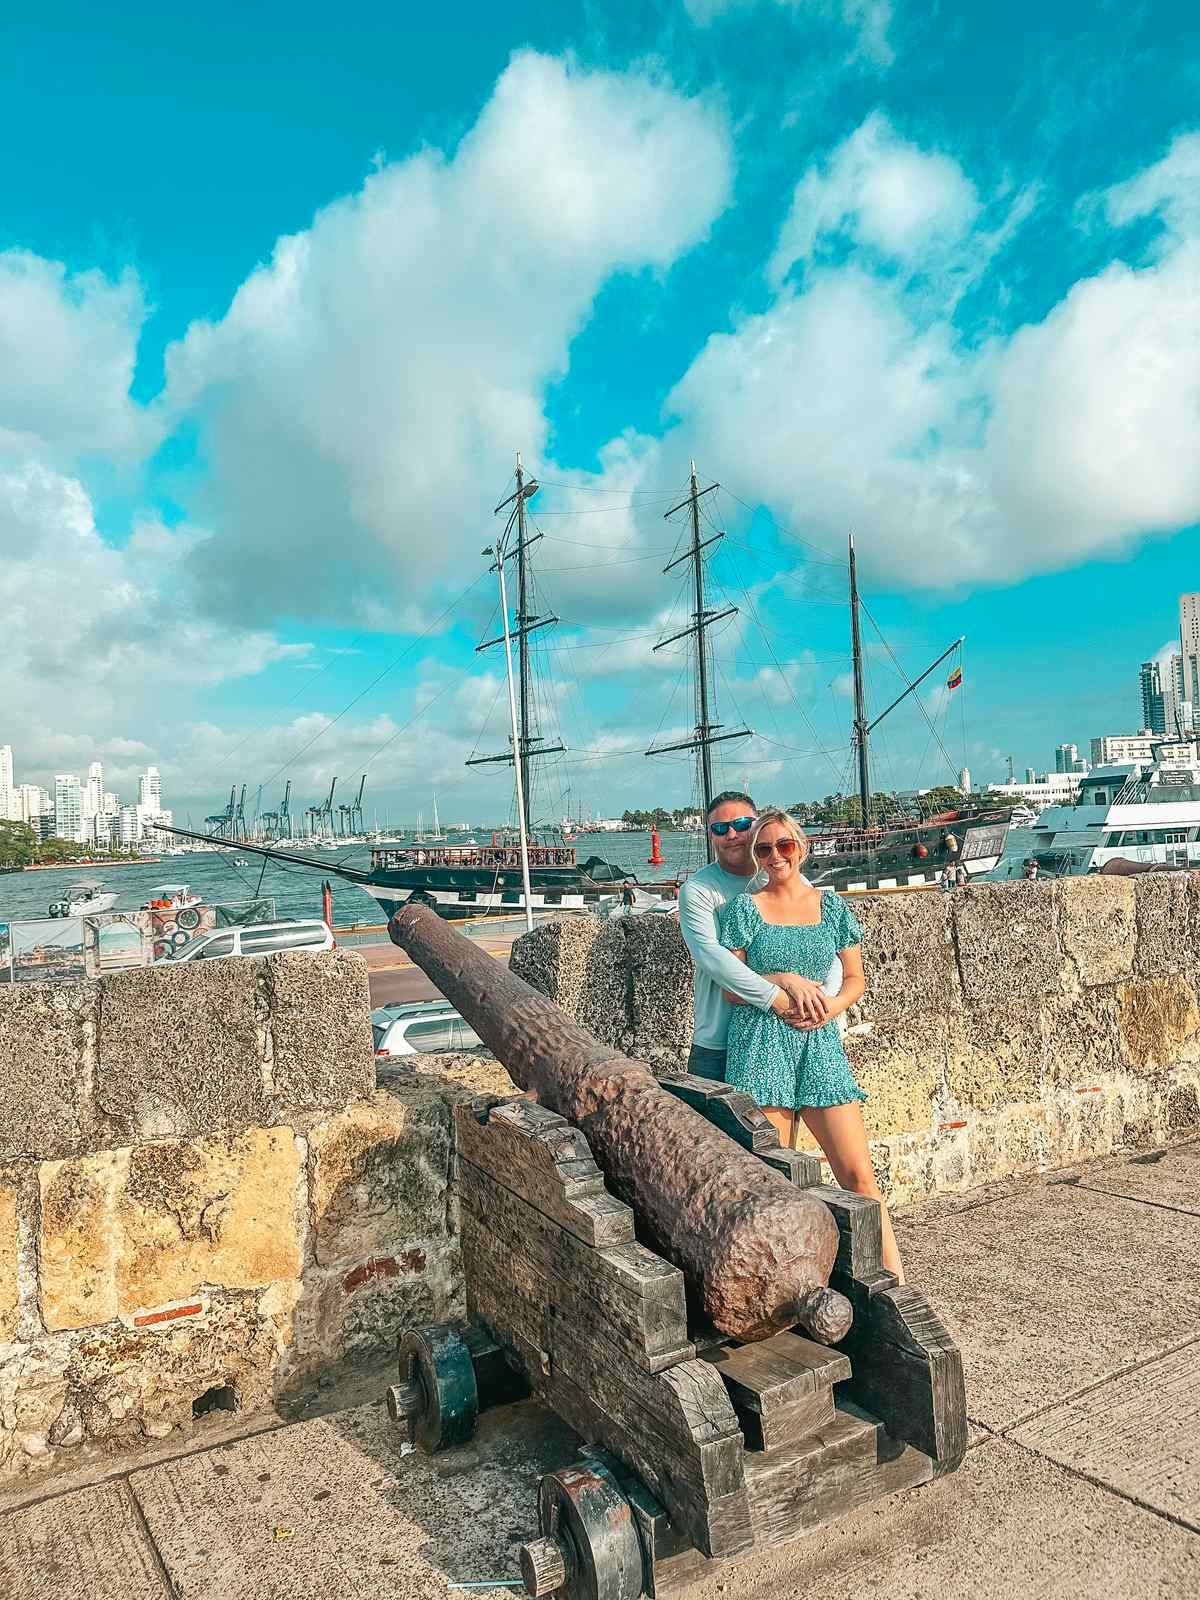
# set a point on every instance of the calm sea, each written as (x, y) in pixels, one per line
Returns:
(296, 890)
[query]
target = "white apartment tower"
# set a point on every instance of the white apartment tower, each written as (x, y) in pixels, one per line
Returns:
(1189, 642)
(6, 766)
(68, 806)
(150, 790)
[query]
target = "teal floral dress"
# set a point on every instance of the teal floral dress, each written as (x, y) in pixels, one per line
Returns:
(776, 1063)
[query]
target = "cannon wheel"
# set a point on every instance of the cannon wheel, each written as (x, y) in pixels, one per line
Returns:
(589, 1549)
(437, 1395)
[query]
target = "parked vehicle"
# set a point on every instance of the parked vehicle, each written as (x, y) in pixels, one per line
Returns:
(255, 939)
(418, 1028)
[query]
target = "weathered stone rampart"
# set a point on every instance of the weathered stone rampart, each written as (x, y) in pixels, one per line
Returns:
(1006, 1028)
(203, 1193)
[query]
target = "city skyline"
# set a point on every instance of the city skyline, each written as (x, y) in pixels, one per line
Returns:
(933, 285)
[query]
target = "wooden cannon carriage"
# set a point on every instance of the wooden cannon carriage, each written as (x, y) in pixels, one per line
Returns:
(699, 1449)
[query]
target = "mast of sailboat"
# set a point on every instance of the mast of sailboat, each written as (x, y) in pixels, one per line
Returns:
(706, 734)
(861, 731)
(862, 728)
(525, 742)
(519, 762)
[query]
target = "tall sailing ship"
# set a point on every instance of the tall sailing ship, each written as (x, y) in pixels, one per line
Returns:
(472, 880)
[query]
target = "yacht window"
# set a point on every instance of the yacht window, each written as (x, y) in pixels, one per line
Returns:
(216, 947)
(1175, 836)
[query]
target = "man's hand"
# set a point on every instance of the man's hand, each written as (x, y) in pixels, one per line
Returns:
(800, 1001)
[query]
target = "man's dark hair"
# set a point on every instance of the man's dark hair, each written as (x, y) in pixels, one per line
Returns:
(728, 794)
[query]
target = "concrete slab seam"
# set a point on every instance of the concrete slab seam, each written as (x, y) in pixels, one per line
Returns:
(1107, 1488)
(139, 1515)
(1139, 1199)
(1088, 1388)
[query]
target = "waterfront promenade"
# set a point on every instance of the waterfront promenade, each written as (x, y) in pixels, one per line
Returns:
(1075, 1298)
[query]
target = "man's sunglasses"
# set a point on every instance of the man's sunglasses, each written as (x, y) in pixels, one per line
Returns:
(739, 825)
(787, 849)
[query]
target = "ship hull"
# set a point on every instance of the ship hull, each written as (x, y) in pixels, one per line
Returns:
(905, 858)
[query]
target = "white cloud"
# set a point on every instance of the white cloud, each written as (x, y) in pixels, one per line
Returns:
(366, 391)
(99, 641)
(855, 403)
(880, 191)
(869, 21)
(68, 346)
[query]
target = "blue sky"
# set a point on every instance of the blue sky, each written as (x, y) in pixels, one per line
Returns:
(280, 297)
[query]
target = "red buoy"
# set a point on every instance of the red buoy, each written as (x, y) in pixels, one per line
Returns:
(656, 857)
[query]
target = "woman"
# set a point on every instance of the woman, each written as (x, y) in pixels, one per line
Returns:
(800, 1070)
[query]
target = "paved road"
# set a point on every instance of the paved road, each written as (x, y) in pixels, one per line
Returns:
(395, 979)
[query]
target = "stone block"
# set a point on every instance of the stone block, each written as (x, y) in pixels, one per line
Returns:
(116, 1387)
(1098, 927)
(181, 1050)
(902, 1065)
(995, 1052)
(1082, 1045)
(1158, 1021)
(90, 1543)
(380, 1175)
(77, 1243)
(362, 1310)
(322, 1052)
(1007, 940)
(47, 1042)
(218, 1211)
(9, 1292)
(125, 1231)
(908, 955)
(472, 1073)
(660, 989)
(580, 965)
(1166, 905)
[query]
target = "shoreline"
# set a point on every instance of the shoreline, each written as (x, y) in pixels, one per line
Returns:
(71, 866)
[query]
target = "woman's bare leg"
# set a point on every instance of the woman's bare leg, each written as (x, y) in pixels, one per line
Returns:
(784, 1123)
(840, 1132)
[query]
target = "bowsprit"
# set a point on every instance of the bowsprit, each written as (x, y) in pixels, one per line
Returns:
(712, 1319)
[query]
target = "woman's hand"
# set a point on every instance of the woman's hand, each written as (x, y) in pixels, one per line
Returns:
(807, 1004)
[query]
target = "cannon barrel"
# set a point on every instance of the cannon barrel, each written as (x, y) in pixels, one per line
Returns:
(756, 1250)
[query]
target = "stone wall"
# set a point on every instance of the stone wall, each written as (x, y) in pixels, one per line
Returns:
(203, 1189)
(1007, 1028)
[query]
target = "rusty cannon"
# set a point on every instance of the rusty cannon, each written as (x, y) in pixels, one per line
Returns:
(711, 1318)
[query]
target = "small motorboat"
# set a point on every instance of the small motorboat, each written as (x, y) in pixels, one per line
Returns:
(171, 897)
(84, 899)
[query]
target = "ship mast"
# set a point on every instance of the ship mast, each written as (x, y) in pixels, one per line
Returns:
(706, 734)
(525, 742)
(861, 729)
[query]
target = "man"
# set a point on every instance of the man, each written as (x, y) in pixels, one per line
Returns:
(701, 901)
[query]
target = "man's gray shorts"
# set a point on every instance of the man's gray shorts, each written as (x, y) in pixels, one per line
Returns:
(706, 1063)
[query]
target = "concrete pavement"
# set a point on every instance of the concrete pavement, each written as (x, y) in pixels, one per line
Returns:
(1075, 1299)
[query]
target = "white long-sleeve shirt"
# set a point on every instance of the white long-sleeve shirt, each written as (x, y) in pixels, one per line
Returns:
(701, 900)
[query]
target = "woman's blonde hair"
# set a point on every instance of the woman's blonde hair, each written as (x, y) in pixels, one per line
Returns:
(774, 814)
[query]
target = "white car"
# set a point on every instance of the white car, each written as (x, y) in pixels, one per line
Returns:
(255, 939)
(418, 1028)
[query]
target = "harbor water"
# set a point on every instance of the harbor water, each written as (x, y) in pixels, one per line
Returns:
(296, 891)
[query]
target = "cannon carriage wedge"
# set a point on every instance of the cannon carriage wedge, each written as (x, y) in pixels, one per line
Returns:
(701, 1445)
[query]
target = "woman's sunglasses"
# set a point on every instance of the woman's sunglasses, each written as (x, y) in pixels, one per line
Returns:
(787, 849)
(739, 825)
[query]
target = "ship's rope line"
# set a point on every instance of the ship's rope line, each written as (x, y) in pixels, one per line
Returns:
(829, 558)
(753, 611)
(908, 683)
(375, 681)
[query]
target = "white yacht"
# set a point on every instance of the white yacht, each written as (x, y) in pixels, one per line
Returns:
(1146, 815)
(83, 899)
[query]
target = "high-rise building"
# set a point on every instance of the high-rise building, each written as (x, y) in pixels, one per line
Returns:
(10, 810)
(1189, 642)
(68, 806)
(150, 790)
(32, 802)
(1065, 757)
(93, 793)
(1154, 699)
(129, 825)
